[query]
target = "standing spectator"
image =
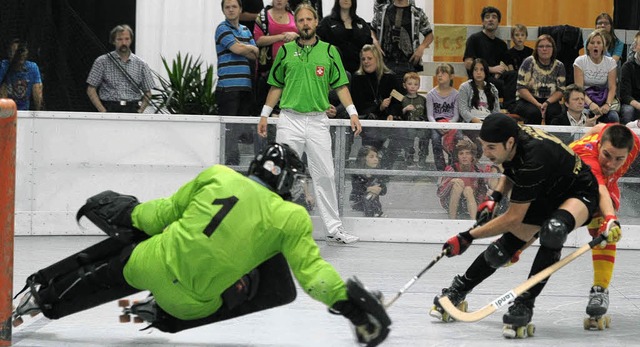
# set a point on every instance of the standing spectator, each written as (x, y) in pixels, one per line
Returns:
(494, 51)
(236, 51)
(456, 192)
(614, 45)
(398, 26)
(19, 78)
(541, 80)
(519, 52)
(576, 114)
(596, 73)
(250, 11)
(346, 30)
(274, 27)
(302, 74)
(366, 189)
(120, 81)
(442, 106)
(478, 98)
(371, 87)
(630, 85)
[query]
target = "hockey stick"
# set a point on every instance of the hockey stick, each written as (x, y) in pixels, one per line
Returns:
(509, 296)
(416, 277)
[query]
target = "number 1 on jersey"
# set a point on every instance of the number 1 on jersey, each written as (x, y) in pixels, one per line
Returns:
(227, 205)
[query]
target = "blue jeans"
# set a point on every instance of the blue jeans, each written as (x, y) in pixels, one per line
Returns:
(628, 113)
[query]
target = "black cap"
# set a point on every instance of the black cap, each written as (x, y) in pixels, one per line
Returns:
(498, 127)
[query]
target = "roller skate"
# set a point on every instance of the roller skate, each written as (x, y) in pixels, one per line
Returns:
(141, 311)
(455, 294)
(596, 309)
(517, 321)
(28, 305)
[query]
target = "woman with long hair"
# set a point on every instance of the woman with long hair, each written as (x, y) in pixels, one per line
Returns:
(477, 97)
(346, 30)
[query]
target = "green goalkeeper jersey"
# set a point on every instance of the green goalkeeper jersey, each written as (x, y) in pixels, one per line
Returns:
(211, 232)
(306, 74)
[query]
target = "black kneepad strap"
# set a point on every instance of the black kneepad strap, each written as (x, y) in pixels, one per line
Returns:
(554, 230)
(111, 212)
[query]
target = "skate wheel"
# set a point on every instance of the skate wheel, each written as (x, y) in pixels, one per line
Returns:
(521, 332)
(123, 303)
(125, 318)
(34, 313)
(531, 329)
(601, 323)
(607, 321)
(16, 322)
(508, 332)
(586, 323)
(435, 313)
(138, 320)
(446, 317)
(463, 306)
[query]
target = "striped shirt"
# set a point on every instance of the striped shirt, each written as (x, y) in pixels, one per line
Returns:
(111, 82)
(233, 69)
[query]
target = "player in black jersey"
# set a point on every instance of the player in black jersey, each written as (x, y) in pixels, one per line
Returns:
(552, 193)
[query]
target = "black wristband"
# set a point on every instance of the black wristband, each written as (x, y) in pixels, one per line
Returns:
(496, 196)
(467, 236)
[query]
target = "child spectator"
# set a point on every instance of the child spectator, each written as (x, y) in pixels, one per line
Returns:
(442, 106)
(519, 51)
(455, 192)
(367, 189)
(414, 109)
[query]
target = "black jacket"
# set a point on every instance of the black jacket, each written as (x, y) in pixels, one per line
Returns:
(349, 42)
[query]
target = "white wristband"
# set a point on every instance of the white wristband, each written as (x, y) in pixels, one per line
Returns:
(351, 110)
(266, 111)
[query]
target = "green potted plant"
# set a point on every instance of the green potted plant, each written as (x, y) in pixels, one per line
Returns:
(190, 87)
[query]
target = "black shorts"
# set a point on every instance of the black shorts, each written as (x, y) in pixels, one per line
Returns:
(584, 188)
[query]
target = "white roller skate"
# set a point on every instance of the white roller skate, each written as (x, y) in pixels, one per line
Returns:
(596, 309)
(141, 311)
(456, 295)
(517, 321)
(27, 306)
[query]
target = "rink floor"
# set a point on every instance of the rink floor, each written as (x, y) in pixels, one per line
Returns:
(558, 315)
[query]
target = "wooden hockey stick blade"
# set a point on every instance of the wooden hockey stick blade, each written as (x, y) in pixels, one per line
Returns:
(509, 296)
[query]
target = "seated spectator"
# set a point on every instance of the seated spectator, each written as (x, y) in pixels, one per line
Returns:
(414, 109)
(630, 85)
(442, 106)
(541, 80)
(614, 45)
(346, 30)
(371, 88)
(19, 78)
(366, 189)
(488, 46)
(596, 73)
(478, 98)
(576, 114)
(519, 52)
(456, 193)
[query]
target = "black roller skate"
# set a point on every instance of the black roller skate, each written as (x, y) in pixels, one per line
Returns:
(28, 304)
(456, 294)
(517, 321)
(596, 309)
(141, 311)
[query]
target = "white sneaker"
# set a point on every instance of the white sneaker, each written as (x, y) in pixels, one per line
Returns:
(341, 236)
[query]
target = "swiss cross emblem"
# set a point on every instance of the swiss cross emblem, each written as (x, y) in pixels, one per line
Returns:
(319, 71)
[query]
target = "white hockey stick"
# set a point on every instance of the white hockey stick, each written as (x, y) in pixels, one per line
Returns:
(509, 296)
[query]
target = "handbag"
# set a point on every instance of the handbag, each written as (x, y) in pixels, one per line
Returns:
(597, 94)
(615, 105)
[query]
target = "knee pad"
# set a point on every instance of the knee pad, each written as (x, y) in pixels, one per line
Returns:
(500, 251)
(554, 231)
